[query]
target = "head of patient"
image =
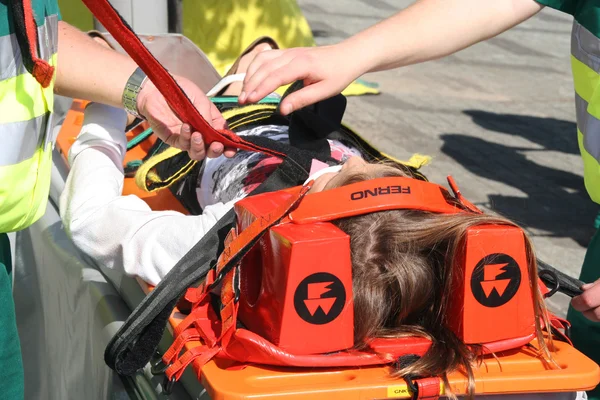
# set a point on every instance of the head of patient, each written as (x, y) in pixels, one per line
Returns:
(401, 273)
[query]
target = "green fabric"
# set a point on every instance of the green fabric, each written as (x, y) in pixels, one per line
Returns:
(586, 12)
(568, 6)
(11, 363)
(77, 14)
(41, 10)
(585, 333)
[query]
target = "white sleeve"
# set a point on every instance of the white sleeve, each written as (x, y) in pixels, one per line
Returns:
(122, 232)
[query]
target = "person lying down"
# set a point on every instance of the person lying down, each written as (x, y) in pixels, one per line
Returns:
(400, 259)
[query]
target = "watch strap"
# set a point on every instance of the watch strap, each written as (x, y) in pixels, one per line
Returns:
(131, 91)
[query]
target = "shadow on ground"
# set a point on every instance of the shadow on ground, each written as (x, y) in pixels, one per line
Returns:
(556, 201)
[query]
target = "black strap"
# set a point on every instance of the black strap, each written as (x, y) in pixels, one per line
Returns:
(311, 126)
(553, 277)
(136, 341)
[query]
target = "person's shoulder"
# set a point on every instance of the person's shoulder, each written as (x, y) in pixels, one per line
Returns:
(567, 6)
(42, 9)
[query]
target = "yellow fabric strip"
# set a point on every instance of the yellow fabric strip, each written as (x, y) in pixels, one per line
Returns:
(24, 189)
(22, 97)
(142, 174)
(591, 171)
(584, 78)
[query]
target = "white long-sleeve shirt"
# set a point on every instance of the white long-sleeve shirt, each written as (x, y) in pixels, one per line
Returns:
(122, 233)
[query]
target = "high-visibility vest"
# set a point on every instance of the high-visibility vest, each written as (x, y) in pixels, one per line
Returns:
(585, 63)
(25, 121)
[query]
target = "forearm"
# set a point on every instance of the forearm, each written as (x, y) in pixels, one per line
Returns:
(431, 29)
(89, 71)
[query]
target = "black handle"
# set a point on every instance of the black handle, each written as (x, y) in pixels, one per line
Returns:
(558, 281)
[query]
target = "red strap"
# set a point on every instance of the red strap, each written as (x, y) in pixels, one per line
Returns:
(189, 320)
(164, 82)
(229, 307)
(429, 388)
(42, 71)
(206, 332)
(202, 353)
(460, 197)
(559, 323)
(178, 344)
(260, 225)
(374, 195)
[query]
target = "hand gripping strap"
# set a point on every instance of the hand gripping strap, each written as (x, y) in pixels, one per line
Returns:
(164, 82)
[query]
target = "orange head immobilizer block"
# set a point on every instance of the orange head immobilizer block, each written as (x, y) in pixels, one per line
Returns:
(492, 297)
(296, 283)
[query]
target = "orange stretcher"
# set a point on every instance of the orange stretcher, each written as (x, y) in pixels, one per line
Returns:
(510, 372)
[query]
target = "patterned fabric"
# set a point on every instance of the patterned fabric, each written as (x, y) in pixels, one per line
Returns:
(226, 179)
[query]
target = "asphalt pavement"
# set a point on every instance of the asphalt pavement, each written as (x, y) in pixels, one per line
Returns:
(499, 117)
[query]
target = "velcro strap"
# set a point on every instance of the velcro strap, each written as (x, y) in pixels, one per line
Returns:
(429, 388)
(164, 82)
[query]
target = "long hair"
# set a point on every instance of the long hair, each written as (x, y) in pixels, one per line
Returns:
(402, 281)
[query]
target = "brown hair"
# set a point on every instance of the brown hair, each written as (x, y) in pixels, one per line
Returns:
(402, 281)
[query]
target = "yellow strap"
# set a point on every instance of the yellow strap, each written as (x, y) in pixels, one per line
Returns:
(145, 173)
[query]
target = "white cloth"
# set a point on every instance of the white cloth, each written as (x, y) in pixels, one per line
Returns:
(122, 232)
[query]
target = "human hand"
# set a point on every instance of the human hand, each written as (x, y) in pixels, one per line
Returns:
(170, 129)
(588, 303)
(326, 71)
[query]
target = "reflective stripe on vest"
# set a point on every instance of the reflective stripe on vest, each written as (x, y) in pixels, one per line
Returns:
(25, 131)
(585, 62)
(10, 65)
(24, 191)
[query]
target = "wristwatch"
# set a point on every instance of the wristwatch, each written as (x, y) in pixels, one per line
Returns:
(131, 91)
